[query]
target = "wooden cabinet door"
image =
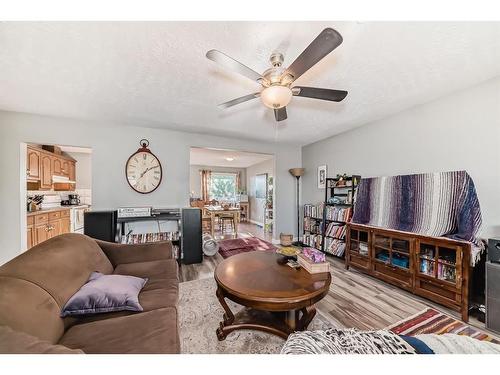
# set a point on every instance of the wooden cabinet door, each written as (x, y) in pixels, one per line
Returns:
(72, 170)
(65, 168)
(45, 172)
(54, 228)
(30, 237)
(65, 225)
(33, 164)
(57, 166)
(72, 174)
(41, 233)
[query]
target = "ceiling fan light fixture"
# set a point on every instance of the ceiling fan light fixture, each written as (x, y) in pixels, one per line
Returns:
(276, 96)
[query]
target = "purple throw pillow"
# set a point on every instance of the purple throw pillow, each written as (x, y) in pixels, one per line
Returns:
(105, 293)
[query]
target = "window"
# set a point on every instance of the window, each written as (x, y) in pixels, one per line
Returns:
(223, 186)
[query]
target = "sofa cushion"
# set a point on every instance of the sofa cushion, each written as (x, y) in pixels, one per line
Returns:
(165, 269)
(147, 332)
(14, 342)
(60, 265)
(159, 293)
(106, 293)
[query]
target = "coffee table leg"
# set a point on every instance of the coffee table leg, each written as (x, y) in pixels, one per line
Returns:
(308, 314)
(228, 315)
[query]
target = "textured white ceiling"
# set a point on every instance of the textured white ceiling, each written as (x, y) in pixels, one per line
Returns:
(217, 158)
(155, 74)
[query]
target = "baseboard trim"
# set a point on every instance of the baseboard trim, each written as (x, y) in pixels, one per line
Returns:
(256, 223)
(278, 242)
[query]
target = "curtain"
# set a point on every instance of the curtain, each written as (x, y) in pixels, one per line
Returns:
(205, 185)
(238, 182)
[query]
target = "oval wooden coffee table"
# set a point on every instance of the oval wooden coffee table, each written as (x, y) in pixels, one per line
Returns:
(277, 298)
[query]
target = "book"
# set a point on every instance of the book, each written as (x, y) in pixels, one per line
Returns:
(312, 267)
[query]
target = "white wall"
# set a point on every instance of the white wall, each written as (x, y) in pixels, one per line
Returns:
(111, 147)
(257, 204)
(457, 132)
(195, 177)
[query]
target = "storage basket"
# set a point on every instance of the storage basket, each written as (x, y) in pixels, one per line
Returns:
(286, 239)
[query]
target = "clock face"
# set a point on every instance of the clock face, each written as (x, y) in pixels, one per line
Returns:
(144, 172)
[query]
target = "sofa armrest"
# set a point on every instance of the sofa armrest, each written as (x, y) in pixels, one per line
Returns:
(124, 253)
(15, 342)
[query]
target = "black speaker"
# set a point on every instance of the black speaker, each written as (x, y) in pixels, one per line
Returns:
(191, 233)
(101, 225)
(494, 250)
(493, 296)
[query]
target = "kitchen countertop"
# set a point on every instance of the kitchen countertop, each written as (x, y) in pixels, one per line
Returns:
(53, 209)
(45, 210)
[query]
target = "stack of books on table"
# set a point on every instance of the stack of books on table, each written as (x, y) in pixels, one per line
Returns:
(313, 261)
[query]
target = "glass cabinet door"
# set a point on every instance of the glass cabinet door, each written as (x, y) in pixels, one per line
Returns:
(359, 242)
(439, 262)
(394, 251)
(382, 248)
(447, 264)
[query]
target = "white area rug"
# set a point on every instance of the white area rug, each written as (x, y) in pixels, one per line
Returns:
(200, 313)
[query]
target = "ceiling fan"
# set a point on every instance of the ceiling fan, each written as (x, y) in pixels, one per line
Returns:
(277, 90)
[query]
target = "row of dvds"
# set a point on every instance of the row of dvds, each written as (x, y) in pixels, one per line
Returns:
(313, 240)
(138, 238)
(311, 210)
(338, 213)
(334, 247)
(335, 230)
(311, 225)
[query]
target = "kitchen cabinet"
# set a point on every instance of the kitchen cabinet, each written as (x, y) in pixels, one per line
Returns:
(65, 167)
(57, 166)
(42, 164)
(55, 228)
(65, 225)
(33, 164)
(45, 172)
(72, 172)
(41, 233)
(47, 224)
(30, 232)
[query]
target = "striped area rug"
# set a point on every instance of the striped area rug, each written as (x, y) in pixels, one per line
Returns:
(433, 321)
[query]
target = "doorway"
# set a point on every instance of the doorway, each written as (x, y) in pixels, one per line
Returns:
(56, 190)
(230, 178)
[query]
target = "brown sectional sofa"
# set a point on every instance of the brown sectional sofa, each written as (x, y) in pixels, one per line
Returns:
(36, 285)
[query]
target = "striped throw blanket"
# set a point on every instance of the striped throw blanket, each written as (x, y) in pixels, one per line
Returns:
(431, 204)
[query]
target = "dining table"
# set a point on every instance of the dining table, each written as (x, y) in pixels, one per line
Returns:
(214, 211)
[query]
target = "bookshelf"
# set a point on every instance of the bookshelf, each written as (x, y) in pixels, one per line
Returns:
(325, 223)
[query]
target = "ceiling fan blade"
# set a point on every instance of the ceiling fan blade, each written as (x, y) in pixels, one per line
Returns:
(280, 114)
(325, 42)
(239, 100)
(317, 93)
(236, 66)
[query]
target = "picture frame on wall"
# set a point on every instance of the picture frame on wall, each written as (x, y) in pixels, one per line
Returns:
(322, 170)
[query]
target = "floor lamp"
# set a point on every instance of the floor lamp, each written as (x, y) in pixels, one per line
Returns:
(297, 173)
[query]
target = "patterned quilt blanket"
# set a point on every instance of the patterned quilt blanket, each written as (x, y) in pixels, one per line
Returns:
(352, 341)
(432, 204)
(346, 341)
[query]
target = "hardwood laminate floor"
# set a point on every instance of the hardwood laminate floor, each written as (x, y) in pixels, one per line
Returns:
(355, 300)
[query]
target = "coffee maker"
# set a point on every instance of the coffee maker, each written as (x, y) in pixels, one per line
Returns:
(74, 199)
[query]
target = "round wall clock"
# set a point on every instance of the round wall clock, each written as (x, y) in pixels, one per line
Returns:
(143, 170)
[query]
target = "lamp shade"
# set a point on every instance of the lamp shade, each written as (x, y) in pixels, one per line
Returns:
(276, 96)
(297, 172)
